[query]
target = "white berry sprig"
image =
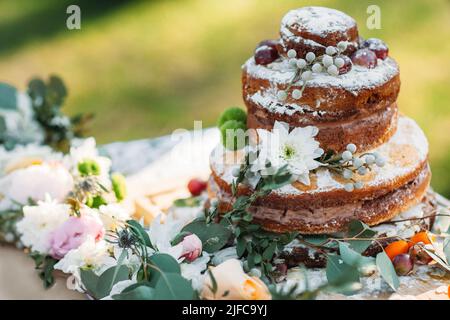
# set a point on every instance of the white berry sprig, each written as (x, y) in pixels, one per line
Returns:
(330, 62)
(347, 164)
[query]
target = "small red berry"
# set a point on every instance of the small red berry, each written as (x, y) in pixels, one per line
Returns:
(196, 187)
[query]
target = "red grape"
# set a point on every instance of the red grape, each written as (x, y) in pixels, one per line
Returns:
(403, 264)
(365, 58)
(266, 52)
(377, 46)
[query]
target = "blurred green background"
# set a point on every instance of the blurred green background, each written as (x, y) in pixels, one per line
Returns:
(147, 67)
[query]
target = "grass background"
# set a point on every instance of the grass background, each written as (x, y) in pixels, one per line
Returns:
(147, 67)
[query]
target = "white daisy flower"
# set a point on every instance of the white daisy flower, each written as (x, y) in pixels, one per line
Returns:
(296, 149)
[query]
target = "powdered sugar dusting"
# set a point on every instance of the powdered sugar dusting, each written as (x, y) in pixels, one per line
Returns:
(316, 20)
(408, 135)
(359, 78)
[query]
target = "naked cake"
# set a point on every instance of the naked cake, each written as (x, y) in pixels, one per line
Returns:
(320, 73)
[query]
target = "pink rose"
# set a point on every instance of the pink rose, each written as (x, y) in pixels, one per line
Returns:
(192, 247)
(72, 233)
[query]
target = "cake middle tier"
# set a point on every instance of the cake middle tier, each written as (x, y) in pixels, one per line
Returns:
(357, 107)
(325, 206)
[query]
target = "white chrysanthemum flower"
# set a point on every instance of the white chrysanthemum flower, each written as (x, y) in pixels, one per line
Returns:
(161, 233)
(35, 182)
(90, 254)
(113, 216)
(296, 149)
(195, 271)
(39, 221)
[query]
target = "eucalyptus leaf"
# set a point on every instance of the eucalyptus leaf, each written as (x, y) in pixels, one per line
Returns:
(140, 292)
(161, 263)
(213, 236)
(109, 278)
(439, 260)
(338, 272)
(387, 271)
(342, 277)
(447, 249)
(8, 97)
(172, 286)
(351, 257)
(89, 280)
(358, 229)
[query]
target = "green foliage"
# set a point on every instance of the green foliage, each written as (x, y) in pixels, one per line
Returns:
(188, 202)
(89, 167)
(161, 263)
(165, 282)
(119, 186)
(233, 113)
(141, 292)
(139, 232)
(47, 99)
(358, 229)
(230, 132)
(46, 265)
(386, 270)
(100, 286)
(342, 277)
(8, 97)
(214, 236)
(447, 249)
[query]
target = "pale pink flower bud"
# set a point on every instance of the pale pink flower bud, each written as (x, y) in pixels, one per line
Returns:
(192, 247)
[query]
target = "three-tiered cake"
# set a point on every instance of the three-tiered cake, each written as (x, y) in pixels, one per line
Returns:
(321, 73)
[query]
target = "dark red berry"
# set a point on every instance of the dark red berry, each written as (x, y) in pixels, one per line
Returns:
(196, 187)
(377, 46)
(419, 255)
(266, 52)
(365, 58)
(403, 264)
(347, 65)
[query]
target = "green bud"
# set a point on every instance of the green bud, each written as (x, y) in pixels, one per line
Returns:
(233, 113)
(119, 186)
(230, 130)
(89, 168)
(98, 201)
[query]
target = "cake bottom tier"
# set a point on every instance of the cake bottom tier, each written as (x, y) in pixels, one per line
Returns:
(325, 206)
(322, 220)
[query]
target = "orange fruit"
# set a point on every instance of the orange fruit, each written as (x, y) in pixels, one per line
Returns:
(395, 248)
(420, 237)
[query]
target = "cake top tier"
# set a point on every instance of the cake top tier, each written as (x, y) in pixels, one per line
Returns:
(316, 28)
(318, 22)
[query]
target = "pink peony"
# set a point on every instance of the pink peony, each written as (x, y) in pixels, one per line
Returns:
(72, 233)
(192, 247)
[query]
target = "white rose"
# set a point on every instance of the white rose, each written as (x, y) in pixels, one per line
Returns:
(234, 284)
